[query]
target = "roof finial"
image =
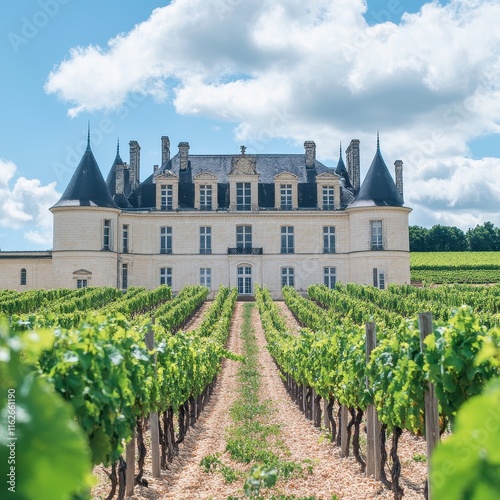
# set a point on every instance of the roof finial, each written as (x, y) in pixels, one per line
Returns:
(88, 136)
(118, 146)
(378, 142)
(243, 149)
(341, 149)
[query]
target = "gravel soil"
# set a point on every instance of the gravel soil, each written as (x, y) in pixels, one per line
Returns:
(330, 475)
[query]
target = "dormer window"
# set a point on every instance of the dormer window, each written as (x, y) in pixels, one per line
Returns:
(167, 197)
(166, 191)
(205, 191)
(328, 198)
(205, 197)
(243, 183)
(286, 196)
(285, 189)
(243, 196)
(328, 188)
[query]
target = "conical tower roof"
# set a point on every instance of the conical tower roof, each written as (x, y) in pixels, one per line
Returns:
(378, 188)
(87, 187)
(342, 171)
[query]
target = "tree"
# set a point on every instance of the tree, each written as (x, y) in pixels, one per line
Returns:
(484, 238)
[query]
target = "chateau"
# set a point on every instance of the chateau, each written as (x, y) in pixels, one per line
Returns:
(272, 219)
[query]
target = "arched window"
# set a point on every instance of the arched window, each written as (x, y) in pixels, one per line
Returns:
(23, 276)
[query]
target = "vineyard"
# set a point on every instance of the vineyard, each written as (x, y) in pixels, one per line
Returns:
(455, 267)
(115, 363)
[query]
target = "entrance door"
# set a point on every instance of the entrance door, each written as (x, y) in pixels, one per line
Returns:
(244, 280)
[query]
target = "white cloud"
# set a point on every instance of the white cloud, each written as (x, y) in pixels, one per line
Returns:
(298, 70)
(25, 203)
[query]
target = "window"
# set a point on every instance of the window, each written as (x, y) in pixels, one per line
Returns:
(287, 239)
(243, 196)
(376, 235)
(379, 278)
(244, 280)
(81, 283)
(329, 276)
(205, 197)
(125, 238)
(167, 197)
(166, 276)
(106, 236)
(244, 237)
(328, 198)
(166, 240)
(124, 276)
(23, 276)
(329, 239)
(206, 277)
(287, 276)
(286, 196)
(205, 239)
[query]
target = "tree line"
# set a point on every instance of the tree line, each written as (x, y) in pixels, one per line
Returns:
(485, 238)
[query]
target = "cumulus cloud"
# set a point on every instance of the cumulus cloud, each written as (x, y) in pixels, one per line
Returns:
(299, 70)
(25, 203)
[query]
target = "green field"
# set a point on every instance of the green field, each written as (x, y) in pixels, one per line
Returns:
(455, 267)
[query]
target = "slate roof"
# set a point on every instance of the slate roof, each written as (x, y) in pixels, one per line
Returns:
(267, 166)
(87, 187)
(342, 171)
(378, 188)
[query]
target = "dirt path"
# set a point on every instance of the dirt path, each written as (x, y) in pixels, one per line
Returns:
(197, 319)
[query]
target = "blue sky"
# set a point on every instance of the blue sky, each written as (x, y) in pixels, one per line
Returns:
(269, 74)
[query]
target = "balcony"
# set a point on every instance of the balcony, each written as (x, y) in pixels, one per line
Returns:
(245, 251)
(287, 250)
(244, 207)
(377, 246)
(205, 251)
(165, 250)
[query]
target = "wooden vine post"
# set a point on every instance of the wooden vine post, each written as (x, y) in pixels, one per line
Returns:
(153, 416)
(430, 401)
(130, 471)
(373, 457)
(344, 442)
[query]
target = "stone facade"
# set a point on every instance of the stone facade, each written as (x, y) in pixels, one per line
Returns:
(226, 242)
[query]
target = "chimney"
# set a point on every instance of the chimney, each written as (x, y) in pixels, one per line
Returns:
(310, 147)
(184, 154)
(353, 163)
(398, 166)
(135, 164)
(155, 168)
(120, 179)
(165, 150)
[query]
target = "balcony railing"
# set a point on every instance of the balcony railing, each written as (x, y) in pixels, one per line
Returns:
(328, 250)
(377, 246)
(205, 250)
(207, 206)
(245, 206)
(244, 251)
(287, 250)
(165, 250)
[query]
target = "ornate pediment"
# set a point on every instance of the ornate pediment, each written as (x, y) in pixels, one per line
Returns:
(243, 165)
(205, 176)
(165, 175)
(285, 176)
(82, 272)
(327, 176)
